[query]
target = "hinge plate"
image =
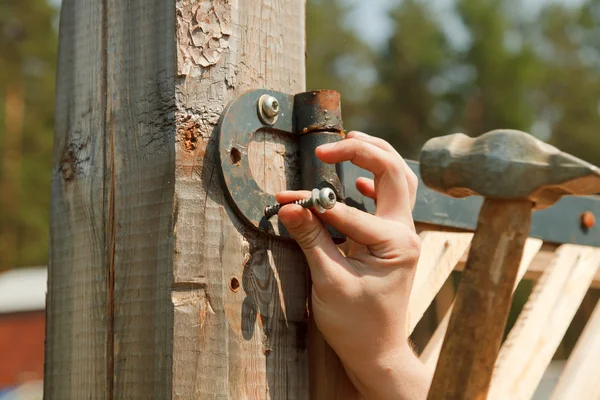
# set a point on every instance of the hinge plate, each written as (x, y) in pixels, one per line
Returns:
(313, 118)
(238, 125)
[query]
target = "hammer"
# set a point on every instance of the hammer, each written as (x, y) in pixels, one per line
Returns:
(516, 174)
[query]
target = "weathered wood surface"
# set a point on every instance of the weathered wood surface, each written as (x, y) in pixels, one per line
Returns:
(442, 251)
(476, 326)
(539, 264)
(78, 352)
(579, 378)
(431, 352)
(232, 344)
(156, 289)
(140, 159)
(543, 322)
(328, 379)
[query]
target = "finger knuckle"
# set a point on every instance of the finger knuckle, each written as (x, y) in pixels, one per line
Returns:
(394, 165)
(412, 248)
(358, 147)
(310, 237)
(412, 179)
(406, 248)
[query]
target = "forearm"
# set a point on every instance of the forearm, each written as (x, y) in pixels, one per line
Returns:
(400, 376)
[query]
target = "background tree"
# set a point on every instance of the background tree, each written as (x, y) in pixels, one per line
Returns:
(570, 47)
(406, 107)
(337, 58)
(534, 71)
(28, 45)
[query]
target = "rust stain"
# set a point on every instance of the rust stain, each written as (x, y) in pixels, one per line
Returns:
(202, 316)
(319, 111)
(190, 140)
(67, 166)
(588, 220)
(325, 99)
(266, 344)
(259, 318)
(188, 132)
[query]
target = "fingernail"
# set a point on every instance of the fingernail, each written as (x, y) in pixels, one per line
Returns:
(327, 146)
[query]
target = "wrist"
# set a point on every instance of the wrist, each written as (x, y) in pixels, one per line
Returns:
(397, 375)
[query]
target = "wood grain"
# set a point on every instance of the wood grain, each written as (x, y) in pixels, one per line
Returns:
(78, 305)
(579, 378)
(539, 264)
(431, 352)
(441, 252)
(328, 379)
(543, 322)
(140, 134)
(156, 289)
(250, 343)
(476, 327)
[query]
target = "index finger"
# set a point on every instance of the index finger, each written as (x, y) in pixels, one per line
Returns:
(393, 196)
(411, 178)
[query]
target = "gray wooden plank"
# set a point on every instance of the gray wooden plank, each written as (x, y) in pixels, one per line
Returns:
(78, 319)
(141, 146)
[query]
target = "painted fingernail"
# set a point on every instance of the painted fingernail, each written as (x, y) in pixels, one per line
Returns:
(327, 146)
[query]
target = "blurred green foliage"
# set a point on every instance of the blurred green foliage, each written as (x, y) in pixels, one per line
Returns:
(534, 71)
(28, 46)
(496, 67)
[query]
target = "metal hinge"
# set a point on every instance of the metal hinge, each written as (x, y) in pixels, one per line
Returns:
(312, 118)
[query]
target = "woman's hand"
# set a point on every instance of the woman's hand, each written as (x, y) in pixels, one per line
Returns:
(360, 299)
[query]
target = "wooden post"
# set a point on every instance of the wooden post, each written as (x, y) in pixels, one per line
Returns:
(156, 289)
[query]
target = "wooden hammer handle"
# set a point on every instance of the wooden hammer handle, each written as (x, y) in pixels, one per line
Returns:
(483, 300)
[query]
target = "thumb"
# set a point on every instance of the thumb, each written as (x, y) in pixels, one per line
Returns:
(313, 238)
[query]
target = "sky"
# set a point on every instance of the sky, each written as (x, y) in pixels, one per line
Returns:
(369, 18)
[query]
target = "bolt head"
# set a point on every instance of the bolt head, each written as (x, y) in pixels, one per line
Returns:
(327, 198)
(268, 109)
(316, 202)
(323, 200)
(271, 107)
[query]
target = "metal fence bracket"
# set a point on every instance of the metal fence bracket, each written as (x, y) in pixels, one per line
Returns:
(312, 118)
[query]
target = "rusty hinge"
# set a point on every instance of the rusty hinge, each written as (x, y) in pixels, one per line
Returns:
(312, 118)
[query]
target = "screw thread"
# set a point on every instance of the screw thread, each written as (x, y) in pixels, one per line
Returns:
(270, 211)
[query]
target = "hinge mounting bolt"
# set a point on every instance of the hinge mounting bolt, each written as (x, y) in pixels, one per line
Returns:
(268, 109)
(322, 200)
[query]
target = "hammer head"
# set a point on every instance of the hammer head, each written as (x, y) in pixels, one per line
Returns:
(505, 164)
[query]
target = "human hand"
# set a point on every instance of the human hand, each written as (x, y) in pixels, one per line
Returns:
(360, 299)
